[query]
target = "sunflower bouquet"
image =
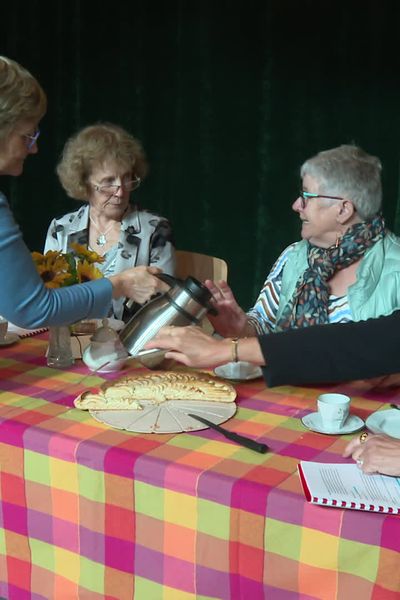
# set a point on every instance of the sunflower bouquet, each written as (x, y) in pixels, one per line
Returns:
(59, 269)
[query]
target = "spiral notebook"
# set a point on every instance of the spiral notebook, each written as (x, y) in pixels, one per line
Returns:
(23, 333)
(346, 486)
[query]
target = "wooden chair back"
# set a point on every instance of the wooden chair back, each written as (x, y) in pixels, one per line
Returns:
(200, 266)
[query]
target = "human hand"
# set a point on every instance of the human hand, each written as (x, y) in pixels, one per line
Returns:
(138, 283)
(231, 320)
(377, 454)
(191, 346)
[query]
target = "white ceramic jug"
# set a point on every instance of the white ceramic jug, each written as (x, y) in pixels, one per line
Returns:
(105, 352)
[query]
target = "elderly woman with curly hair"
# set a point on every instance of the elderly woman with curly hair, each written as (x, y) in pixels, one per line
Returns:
(102, 165)
(346, 267)
(27, 302)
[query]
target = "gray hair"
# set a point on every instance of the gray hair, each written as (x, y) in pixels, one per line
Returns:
(350, 172)
(21, 96)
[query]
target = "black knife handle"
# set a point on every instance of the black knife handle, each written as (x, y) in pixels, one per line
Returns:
(244, 441)
(231, 435)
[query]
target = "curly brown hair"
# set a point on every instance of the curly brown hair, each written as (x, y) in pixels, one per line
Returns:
(93, 146)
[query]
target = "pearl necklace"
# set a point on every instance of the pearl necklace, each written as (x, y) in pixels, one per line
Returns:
(101, 239)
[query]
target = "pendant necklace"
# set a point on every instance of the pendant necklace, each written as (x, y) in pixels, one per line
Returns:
(101, 239)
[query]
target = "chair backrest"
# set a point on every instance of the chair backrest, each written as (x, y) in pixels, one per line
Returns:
(200, 266)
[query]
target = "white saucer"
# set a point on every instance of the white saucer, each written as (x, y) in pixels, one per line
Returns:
(9, 339)
(385, 421)
(238, 371)
(313, 421)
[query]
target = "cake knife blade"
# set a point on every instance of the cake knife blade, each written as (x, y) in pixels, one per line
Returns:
(234, 437)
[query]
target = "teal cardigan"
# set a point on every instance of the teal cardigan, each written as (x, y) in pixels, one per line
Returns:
(376, 291)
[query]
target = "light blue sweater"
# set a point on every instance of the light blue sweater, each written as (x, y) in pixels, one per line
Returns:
(376, 291)
(25, 301)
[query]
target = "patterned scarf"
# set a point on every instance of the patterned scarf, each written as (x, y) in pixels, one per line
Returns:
(309, 304)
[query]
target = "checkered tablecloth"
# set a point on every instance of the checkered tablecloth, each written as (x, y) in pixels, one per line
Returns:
(89, 512)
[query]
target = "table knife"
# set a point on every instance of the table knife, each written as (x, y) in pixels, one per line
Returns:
(235, 437)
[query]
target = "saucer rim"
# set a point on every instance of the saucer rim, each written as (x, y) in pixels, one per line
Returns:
(10, 338)
(377, 430)
(256, 373)
(340, 431)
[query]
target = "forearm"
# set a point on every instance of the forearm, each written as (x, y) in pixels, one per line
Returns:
(328, 353)
(249, 330)
(26, 301)
(119, 289)
(222, 351)
(249, 350)
(34, 305)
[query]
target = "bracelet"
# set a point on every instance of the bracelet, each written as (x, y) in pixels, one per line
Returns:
(235, 357)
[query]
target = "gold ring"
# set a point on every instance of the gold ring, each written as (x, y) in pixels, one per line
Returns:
(363, 437)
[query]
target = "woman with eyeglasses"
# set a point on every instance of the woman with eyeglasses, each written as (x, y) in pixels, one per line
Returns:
(102, 165)
(346, 267)
(25, 300)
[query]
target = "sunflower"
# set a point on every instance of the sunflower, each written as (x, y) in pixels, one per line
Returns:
(87, 272)
(86, 255)
(52, 278)
(48, 258)
(58, 269)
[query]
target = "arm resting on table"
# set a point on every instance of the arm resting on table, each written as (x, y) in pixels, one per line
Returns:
(337, 352)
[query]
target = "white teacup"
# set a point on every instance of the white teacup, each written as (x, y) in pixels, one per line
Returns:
(3, 328)
(333, 410)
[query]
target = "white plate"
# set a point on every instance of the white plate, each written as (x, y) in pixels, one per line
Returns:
(168, 417)
(385, 421)
(9, 339)
(239, 371)
(313, 421)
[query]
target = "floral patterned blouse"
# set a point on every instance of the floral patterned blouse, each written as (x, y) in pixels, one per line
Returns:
(145, 239)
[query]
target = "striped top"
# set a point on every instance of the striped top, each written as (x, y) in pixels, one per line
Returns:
(263, 314)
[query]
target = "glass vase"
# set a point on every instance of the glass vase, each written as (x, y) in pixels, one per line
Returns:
(59, 354)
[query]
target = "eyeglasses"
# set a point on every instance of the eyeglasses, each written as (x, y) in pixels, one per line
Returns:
(112, 189)
(305, 196)
(32, 139)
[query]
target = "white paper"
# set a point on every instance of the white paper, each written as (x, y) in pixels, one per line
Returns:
(346, 483)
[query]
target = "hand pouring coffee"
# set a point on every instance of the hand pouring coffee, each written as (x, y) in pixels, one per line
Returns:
(185, 303)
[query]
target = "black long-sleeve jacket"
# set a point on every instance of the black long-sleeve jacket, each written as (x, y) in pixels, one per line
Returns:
(329, 353)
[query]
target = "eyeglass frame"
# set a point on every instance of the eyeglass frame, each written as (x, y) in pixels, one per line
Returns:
(98, 188)
(32, 139)
(305, 196)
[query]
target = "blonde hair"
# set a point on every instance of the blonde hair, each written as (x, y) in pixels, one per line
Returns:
(91, 148)
(21, 96)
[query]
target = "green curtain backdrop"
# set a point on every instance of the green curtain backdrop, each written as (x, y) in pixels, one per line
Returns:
(228, 98)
